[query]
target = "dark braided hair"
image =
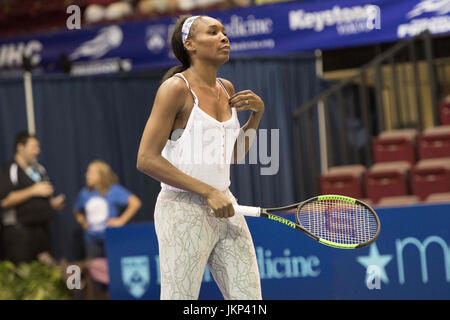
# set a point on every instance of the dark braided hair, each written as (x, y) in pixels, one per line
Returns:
(178, 48)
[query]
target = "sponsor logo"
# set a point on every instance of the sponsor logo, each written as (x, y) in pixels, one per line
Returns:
(426, 6)
(156, 36)
(250, 26)
(376, 263)
(347, 20)
(284, 221)
(436, 24)
(421, 247)
(136, 275)
(106, 40)
(11, 54)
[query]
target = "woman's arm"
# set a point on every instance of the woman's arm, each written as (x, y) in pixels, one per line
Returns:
(14, 198)
(248, 131)
(134, 204)
(81, 219)
(169, 101)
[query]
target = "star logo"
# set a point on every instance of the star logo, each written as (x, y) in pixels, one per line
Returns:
(376, 259)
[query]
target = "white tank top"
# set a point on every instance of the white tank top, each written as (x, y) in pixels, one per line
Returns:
(205, 147)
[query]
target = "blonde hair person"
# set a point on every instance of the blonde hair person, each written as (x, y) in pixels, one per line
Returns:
(99, 204)
(100, 176)
(194, 215)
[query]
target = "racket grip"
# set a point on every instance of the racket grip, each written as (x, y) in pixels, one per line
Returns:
(247, 211)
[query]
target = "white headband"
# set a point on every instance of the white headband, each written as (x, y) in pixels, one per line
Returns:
(187, 27)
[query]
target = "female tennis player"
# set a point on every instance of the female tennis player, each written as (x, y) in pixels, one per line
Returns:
(188, 144)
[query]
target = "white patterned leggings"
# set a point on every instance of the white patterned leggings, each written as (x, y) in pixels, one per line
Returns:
(189, 237)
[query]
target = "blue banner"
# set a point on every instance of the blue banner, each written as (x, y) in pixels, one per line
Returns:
(409, 260)
(268, 30)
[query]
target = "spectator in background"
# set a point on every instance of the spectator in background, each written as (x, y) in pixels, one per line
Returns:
(152, 8)
(26, 203)
(261, 2)
(99, 204)
(188, 5)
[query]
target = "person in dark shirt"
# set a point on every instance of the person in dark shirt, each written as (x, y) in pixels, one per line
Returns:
(26, 203)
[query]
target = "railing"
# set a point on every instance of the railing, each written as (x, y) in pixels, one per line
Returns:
(397, 89)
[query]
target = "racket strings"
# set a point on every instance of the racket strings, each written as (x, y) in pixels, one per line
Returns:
(338, 221)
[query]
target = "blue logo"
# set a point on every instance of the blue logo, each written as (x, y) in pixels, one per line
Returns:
(136, 274)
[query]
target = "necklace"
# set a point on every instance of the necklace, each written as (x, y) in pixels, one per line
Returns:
(217, 89)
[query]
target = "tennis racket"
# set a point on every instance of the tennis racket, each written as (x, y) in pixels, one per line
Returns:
(333, 220)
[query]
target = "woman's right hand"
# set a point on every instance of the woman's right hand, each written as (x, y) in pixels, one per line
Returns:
(82, 221)
(220, 204)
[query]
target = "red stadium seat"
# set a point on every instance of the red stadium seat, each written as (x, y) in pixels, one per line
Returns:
(395, 145)
(430, 176)
(343, 180)
(387, 179)
(434, 143)
(398, 201)
(444, 111)
(367, 201)
(443, 197)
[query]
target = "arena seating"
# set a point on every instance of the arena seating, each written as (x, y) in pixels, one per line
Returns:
(395, 145)
(410, 166)
(444, 111)
(387, 179)
(398, 201)
(345, 180)
(434, 142)
(443, 197)
(430, 176)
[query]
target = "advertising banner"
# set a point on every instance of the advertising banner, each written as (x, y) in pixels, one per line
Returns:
(409, 260)
(268, 30)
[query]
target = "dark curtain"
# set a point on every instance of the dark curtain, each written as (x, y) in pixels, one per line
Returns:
(13, 116)
(79, 119)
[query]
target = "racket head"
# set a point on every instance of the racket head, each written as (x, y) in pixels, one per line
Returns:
(339, 221)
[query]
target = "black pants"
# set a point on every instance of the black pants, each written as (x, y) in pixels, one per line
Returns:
(23, 243)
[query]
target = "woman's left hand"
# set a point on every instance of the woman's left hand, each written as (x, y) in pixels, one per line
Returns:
(247, 100)
(114, 222)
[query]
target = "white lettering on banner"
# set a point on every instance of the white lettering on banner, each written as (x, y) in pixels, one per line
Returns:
(436, 25)
(238, 27)
(11, 54)
(100, 66)
(422, 248)
(252, 45)
(284, 267)
(367, 17)
(426, 6)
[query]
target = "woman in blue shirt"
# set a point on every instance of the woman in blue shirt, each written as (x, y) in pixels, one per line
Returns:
(99, 205)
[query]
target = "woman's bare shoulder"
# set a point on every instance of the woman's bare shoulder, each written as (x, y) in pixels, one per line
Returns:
(175, 84)
(172, 92)
(228, 85)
